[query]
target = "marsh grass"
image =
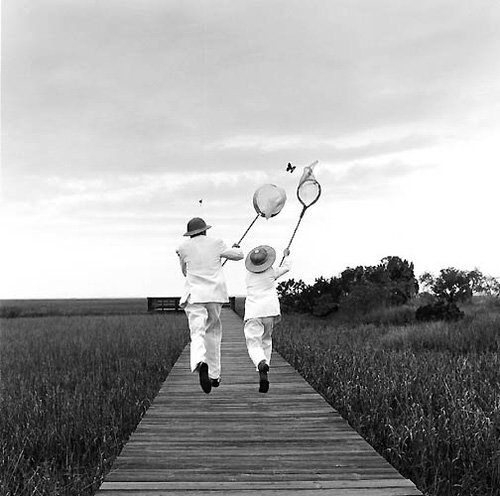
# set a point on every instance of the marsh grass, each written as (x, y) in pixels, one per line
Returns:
(72, 390)
(427, 397)
(10, 309)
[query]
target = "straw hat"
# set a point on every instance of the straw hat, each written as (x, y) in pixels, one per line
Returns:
(260, 258)
(196, 226)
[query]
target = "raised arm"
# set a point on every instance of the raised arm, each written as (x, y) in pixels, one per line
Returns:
(285, 267)
(233, 253)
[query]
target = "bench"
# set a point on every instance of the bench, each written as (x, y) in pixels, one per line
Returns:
(163, 303)
(171, 303)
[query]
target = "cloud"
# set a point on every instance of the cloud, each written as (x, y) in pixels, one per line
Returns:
(373, 180)
(329, 147)
(124, 87)
(138, 199)
(119, 116)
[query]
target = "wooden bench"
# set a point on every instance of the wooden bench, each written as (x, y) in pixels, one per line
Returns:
(163, 303)
(171, 303)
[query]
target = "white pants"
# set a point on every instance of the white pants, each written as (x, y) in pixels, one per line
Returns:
(258, 335)
(206, 335)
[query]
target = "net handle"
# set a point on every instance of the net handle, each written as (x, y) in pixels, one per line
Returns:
(304, 208)
(244, 234)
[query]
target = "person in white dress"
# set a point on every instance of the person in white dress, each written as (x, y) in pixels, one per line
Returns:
(205, 292)
(262, 307)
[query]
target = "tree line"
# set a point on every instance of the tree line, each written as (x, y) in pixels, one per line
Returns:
(392, 282)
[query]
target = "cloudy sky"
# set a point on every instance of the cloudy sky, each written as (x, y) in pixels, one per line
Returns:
(118, 116)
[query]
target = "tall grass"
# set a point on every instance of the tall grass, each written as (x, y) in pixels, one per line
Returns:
(427, 397)
(10, 309)
(72, 391)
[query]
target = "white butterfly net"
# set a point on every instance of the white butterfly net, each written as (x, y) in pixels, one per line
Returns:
(268, 200)
(309, 189)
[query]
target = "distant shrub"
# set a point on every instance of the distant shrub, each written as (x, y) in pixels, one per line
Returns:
(441, 310)
(325, 305)
(363, 298)
(385, 316)
(424, 298)
(10, 312)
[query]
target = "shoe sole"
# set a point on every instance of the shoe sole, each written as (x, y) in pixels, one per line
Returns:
(263, 386)
(264, 382)
(205, 382)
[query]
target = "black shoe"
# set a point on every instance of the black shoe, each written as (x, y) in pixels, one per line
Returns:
(205, 382)
(264, 380)
(215, 382)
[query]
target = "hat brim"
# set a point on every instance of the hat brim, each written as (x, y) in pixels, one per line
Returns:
(197, 231)
(271, 257)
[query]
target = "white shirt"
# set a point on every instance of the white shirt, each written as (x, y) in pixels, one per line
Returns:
(262, 298)
(200, 259)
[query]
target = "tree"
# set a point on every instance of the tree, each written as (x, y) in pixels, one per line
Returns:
(394, 278)
(491, 286)
(402, 283)
(326, 294)
(391, 282)
(476, 279)
(452, 285)
(349, 277)
(292, 295)
(426, 280)
(482, 284)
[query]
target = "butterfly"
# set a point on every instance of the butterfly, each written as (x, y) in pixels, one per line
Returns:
(290, 168)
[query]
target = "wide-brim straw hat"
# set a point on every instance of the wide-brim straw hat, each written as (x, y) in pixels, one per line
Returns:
(196, 226)
(260, 258)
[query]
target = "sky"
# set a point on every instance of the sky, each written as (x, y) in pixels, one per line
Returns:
(118, 117)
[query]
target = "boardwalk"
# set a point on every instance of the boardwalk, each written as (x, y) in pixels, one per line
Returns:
(236, 441)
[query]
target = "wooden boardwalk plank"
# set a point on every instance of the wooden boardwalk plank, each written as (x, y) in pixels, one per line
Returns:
(237, 441)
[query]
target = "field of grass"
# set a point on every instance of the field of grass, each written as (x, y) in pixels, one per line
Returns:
(76, 306)
(72, 389)
(426, 396)
(74, 386)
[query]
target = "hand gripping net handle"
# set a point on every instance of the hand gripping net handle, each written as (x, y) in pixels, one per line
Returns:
(244, 234)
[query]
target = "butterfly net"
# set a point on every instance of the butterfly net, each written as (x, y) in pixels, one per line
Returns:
(308, 190)
(268, 200)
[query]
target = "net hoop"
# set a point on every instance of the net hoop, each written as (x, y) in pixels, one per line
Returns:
(309, 182)
(269, 200)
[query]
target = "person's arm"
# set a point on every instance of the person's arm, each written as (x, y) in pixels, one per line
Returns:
(182, 264)
(233, 253)
(285, 267)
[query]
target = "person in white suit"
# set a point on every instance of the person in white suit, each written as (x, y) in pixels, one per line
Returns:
(205, 292)
(262, 307)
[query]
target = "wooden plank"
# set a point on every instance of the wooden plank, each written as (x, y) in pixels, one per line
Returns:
(361, 491)
(300, 474)
(238, 441)
(245, 486)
